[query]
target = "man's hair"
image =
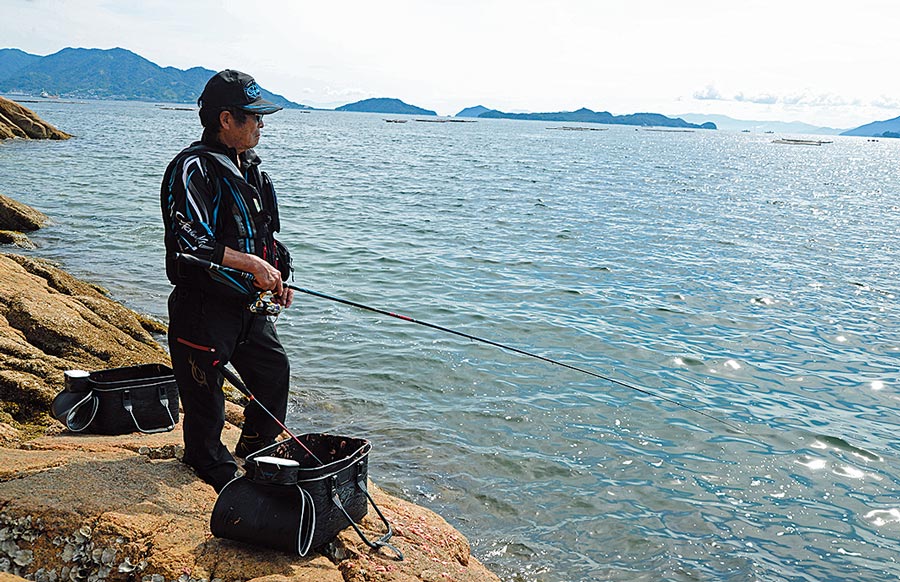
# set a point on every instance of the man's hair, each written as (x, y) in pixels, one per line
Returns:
(209, 117)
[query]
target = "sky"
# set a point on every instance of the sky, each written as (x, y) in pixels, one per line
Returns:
(825, 62)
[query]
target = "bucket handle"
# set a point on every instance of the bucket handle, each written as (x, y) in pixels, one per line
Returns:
(163, 400)
(382, 542)
(307, 524)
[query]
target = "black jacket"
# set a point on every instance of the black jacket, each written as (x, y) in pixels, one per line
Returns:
(208, 203)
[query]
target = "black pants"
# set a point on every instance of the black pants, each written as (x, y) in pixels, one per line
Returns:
(205, 329)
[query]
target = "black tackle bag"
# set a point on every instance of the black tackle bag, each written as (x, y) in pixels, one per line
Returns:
(296, 495)
(141, 398)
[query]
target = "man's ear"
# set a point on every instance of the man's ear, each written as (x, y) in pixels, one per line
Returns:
(226, 119)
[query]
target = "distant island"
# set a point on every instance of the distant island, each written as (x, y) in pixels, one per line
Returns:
(385, 105)
(85, 73)
(585, 115)
(726, 123)
(887, 128)
(105, 74)
(473, 111)
(79, 73)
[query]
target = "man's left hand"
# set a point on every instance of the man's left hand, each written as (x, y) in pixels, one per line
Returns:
(286, 297)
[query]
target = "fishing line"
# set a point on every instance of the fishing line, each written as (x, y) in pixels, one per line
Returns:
(214, 267)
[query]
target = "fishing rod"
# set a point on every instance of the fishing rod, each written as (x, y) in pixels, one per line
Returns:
(242, 388)
(196, 261)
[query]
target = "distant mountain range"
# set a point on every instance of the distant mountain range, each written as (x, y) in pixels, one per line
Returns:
(585, 115)
(105, 74)
(385, 105)
(14, 60)
(730, 124)
(395, 106)
(887, 128)
(121, 74)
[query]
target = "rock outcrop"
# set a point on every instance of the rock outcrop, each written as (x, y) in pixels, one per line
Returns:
(15, 216)
(51, 322)
(122, 508)
(19, 121)
(109, 508)
(16, 219)
(16, 239)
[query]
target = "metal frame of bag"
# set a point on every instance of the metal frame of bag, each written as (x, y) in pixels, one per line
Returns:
(332, 478)
(248, 507)
(79, 417)
(76, 416)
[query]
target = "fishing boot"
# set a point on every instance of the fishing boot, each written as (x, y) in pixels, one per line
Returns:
(249, 444)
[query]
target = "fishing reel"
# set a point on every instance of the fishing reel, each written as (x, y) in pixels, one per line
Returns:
(265, 304)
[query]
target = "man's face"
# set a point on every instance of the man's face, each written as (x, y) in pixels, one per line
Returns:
(240, 136)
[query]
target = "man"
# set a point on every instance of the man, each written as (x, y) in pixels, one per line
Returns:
(218, 207)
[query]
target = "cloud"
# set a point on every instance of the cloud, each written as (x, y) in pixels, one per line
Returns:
(820, 100)
(330, 92)
(709, 93)
(885, 102)
(764, 99)
(799, 99)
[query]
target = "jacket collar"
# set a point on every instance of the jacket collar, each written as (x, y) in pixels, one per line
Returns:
(248, 158)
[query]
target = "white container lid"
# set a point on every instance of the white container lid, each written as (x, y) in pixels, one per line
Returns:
(276, 461)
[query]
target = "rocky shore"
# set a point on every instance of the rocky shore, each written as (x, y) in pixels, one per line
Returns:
(96, 508)
(19, 121)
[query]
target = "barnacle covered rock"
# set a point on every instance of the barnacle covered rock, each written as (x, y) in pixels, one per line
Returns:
(93, 509)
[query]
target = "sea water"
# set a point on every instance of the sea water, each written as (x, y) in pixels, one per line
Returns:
(753, 281)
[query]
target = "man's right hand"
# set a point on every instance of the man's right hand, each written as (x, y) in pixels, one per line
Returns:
(265, 276)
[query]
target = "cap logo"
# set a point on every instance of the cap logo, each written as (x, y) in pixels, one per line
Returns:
(252, 91)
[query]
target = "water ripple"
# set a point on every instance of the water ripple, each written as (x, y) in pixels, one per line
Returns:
(753, 282)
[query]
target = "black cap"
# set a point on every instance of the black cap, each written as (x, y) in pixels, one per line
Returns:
(230, 88)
